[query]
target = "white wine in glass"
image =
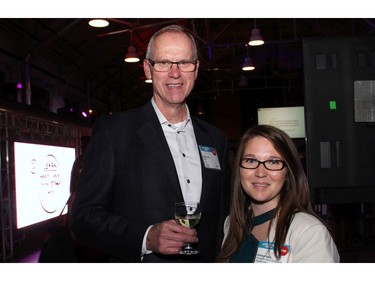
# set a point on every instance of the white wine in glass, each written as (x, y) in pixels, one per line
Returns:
(188, 214)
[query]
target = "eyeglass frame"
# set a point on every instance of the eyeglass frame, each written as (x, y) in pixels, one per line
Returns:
(152, 63)
(263, 163)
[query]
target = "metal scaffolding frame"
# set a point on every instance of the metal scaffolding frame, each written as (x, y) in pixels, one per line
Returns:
(17, 126)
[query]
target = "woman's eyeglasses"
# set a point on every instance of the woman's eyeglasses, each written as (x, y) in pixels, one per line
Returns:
(272, 165)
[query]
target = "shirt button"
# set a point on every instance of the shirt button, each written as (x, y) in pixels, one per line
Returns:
(188, 181)
(183, 154)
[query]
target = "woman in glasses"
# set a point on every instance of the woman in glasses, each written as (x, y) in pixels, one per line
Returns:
(271, 218)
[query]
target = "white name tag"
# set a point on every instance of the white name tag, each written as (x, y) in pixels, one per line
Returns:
(210, 157)
(266, 253)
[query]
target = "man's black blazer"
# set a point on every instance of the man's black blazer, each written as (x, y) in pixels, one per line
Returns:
(129, 182)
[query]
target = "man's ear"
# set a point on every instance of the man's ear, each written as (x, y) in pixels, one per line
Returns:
(147, 69)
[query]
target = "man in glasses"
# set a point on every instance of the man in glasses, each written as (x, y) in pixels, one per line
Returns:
(140, 162)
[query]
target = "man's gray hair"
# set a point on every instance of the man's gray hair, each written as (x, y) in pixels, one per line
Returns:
(172, 28)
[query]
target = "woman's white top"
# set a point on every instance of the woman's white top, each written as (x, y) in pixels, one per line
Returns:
(307, 241)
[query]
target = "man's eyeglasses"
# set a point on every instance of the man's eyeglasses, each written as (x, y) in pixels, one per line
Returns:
(272, 165)
(166, 65)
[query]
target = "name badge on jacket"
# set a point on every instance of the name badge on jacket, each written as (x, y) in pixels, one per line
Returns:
(210, 157)
(266, 253)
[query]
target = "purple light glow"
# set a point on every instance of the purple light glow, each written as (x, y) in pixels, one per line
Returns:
(30, 258)
(19, 86)
(84, 114)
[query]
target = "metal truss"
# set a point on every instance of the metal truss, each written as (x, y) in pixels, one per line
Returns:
(17, 126)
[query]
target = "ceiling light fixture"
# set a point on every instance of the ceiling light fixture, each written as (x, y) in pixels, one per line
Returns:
(248, 64)
(200, 110)
(98, 23)
(132, 55)
(256, 38)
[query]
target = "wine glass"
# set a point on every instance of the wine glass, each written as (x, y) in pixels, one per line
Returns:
(188, 214)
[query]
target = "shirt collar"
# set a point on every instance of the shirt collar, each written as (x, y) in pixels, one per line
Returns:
(164, 121)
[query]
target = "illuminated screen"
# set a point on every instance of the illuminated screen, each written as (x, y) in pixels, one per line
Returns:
(42, 181)
(289, 119)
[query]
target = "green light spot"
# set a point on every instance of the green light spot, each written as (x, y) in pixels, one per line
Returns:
(332, 105)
